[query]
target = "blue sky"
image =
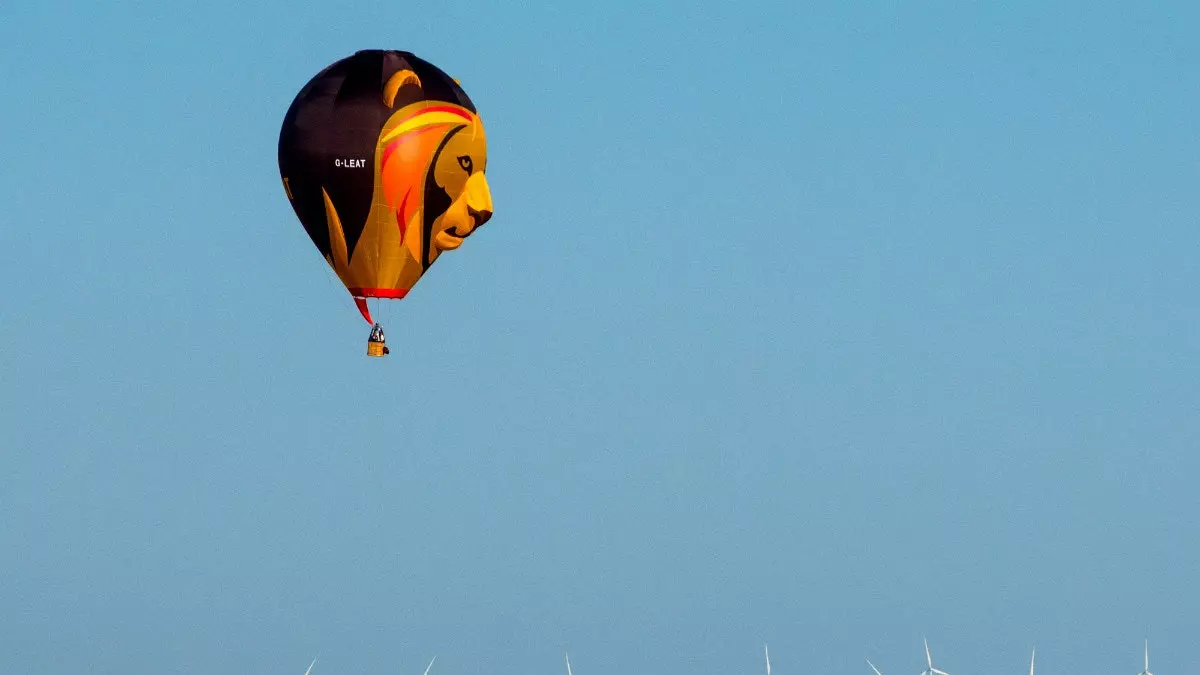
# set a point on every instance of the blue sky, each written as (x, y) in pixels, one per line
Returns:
(825, 325)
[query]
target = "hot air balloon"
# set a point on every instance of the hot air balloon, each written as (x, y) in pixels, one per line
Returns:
(383, 157)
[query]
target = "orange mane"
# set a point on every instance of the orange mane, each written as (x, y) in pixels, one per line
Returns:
(407, 152)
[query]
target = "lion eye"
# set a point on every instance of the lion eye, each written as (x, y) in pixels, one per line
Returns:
(465, 162)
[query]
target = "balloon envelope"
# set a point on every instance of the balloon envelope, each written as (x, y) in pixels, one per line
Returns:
(383, 158)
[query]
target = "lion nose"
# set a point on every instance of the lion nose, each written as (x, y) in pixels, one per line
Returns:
(479, 198)
(481, 216)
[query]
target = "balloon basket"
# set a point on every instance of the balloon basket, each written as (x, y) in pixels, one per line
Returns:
(374, 349)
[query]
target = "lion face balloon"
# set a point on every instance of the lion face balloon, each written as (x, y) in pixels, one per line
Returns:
(384, 159)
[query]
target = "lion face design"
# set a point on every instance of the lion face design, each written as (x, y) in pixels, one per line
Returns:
(458, 173)
(433, 159)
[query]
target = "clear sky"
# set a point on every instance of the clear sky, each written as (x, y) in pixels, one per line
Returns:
(827, 325)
